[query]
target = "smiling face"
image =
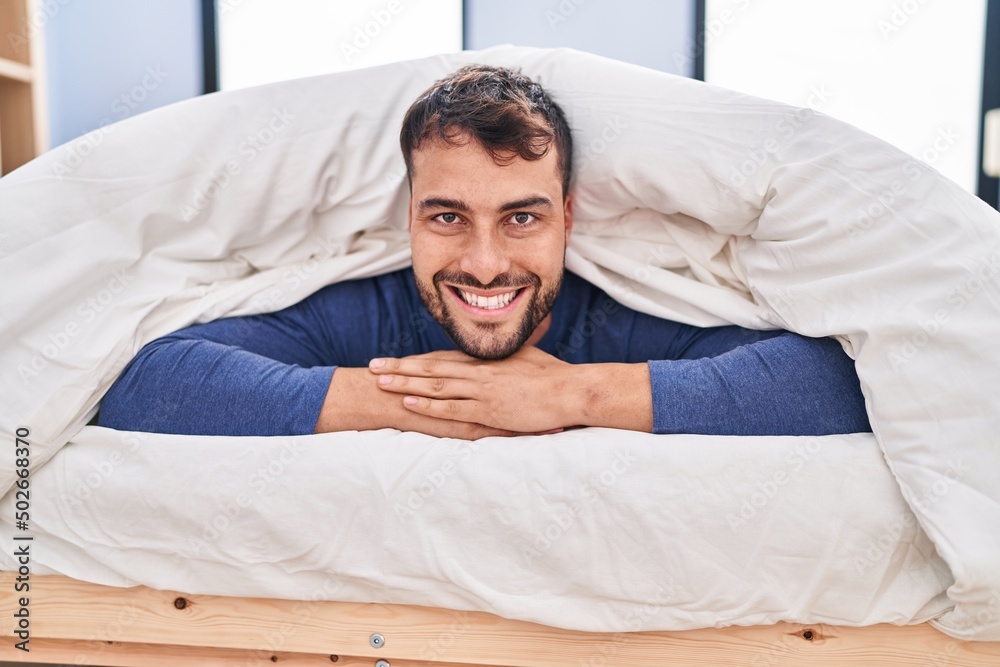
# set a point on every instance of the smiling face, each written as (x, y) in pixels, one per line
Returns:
(488, 243)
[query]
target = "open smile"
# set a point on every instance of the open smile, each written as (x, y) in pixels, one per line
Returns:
(487, 304)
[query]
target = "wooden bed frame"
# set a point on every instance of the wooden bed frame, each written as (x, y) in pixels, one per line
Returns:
(78, 623)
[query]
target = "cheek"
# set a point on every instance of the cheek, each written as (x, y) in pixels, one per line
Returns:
(430, 253)
(545, 256)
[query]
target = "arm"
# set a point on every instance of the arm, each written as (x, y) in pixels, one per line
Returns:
(199, 387)
(782, 384)
(236, 376)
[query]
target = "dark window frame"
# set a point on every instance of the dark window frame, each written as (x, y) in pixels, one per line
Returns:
(210, 46)
(987, 187)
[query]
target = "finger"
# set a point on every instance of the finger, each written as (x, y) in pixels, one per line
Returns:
(434, 387)
(447, 428)
(425, 367)
(462, 410)
(487, 432)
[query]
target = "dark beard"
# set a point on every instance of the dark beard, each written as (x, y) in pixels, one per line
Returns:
(488, 347)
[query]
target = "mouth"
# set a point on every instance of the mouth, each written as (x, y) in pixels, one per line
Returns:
(493, 304)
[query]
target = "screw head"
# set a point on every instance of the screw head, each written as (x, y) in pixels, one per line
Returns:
(377, 641)
(382, 663)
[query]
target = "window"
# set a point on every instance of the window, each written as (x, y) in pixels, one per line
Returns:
(908, 71)
(261, 41)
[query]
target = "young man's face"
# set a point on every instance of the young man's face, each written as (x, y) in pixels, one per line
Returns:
(488, 244)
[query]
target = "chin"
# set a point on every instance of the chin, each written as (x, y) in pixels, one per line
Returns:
(488, 346)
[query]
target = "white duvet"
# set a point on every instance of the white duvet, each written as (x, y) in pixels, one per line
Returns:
(692, 203)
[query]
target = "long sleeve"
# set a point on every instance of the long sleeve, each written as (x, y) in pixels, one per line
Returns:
(206, 380)
(782, 384)
(268, 374)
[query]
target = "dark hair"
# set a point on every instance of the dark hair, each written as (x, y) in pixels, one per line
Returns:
(505, 111)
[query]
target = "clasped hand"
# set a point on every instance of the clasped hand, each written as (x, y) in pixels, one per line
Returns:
(528, 392)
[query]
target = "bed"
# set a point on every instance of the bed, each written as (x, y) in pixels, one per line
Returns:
(87, 624)
(591, 546)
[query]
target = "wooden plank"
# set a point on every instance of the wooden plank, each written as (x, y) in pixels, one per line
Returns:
(39, 87)
(15, 71)
(65, 609)
(123, 654)
(24, 123)
(15, 33)
(16, 124)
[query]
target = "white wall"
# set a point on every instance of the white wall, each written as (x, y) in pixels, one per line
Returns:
(111, 59)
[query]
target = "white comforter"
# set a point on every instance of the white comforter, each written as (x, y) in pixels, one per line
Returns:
(693, 203)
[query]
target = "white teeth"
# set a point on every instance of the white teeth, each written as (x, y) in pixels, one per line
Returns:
(488, 302)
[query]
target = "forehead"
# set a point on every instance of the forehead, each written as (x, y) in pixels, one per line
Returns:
(467, 171)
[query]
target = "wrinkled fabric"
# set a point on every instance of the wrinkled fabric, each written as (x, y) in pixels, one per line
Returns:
(692, 203)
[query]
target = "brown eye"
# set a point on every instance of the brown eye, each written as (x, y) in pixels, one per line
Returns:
(448, 218)
(522, 219)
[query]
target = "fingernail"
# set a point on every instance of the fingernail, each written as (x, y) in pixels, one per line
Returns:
(376, 363)
(384, 379)
(410, 400)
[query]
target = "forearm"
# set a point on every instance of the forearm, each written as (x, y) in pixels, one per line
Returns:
(611, 395)
(354, 403)
(198, 387)
(786, 385)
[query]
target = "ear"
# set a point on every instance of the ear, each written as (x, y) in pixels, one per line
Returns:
(568, 214)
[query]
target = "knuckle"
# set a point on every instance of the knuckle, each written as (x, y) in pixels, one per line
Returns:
(438, 385)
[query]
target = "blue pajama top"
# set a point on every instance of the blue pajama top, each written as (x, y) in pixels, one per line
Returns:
(269, 374)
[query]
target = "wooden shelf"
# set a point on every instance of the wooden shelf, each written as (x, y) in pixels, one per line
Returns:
(24, 127)
(10, 69)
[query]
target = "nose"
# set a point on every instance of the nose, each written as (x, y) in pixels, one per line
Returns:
(485, 256)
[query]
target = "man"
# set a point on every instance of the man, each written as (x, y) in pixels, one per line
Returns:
(485, 329)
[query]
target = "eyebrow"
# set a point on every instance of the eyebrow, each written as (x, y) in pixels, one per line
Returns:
(528, 202)
(459, 205)
(442, 202)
